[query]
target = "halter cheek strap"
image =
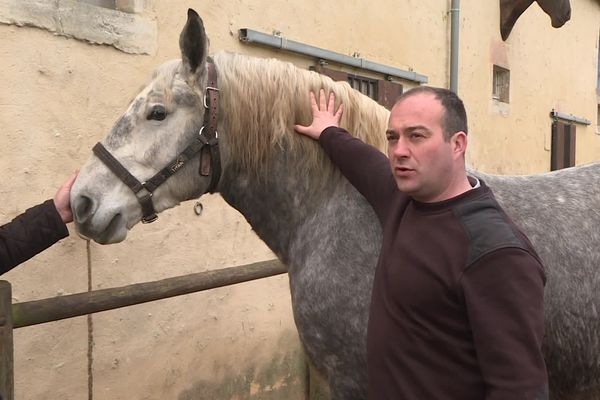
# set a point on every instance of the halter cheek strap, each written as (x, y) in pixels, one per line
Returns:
(206, 143)
(208, 133)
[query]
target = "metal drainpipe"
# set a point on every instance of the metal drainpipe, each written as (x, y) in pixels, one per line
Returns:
(454, 31)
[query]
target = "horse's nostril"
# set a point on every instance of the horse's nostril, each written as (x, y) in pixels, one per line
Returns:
(82, 209)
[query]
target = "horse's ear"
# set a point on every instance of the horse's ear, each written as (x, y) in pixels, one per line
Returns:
(193, 42)
(510, 11)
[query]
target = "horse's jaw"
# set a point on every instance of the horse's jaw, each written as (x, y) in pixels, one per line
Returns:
(109, 225)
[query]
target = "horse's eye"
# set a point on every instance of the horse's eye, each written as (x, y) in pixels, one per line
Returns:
(158, 113)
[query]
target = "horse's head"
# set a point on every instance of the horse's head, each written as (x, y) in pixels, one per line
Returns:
(510, 10)
(147, 141)
(558, 10)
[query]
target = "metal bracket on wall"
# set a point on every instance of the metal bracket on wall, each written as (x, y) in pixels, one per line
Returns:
(570, 118)
(251, 36)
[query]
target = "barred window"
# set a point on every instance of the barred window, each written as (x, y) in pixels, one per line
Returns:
(501, 84)
(366, 86)
(383, 91)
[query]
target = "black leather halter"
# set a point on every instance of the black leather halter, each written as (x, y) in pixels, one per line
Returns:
(206, 143)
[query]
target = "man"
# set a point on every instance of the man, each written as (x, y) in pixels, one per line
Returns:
(457, 304)
(36, 229)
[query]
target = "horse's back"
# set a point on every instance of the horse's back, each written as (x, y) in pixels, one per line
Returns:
(560, 213)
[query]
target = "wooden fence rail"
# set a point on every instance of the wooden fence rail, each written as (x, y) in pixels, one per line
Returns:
(29, 313)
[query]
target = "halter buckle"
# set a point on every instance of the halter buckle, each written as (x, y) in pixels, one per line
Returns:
(206, 90)
(145, 200)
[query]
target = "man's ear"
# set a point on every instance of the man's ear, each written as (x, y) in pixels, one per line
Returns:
(459, 143)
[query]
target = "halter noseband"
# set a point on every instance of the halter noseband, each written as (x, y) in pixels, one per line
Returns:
(206, 143)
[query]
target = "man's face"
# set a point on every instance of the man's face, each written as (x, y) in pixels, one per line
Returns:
(422, 162)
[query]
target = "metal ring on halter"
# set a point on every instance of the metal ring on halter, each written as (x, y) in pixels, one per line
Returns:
(148, 194)
(150, 219)
(202, 129)
(198, 208)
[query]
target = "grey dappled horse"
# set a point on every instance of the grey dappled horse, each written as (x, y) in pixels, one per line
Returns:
(309, 215)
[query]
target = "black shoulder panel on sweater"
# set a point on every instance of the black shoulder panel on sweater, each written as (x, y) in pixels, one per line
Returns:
(487, 228)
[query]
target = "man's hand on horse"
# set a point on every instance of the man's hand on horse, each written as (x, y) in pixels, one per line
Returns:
(324, 115)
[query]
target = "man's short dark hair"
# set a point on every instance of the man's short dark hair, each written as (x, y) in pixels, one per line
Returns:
(455, 116)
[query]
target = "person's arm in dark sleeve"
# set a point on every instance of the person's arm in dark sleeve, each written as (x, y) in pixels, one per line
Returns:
(30, 233)
(367, 169)
(504, 296)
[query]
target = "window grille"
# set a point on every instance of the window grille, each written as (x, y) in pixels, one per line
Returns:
(501, 84)
(383, 91)
(364, 85)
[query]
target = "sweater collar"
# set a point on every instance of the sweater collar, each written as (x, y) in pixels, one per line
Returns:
(479, 188)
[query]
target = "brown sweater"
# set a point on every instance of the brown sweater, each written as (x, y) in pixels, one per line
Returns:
(30, 233)
(457, 303)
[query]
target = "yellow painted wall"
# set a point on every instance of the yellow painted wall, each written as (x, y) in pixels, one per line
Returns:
(60, 95)
(549, 68)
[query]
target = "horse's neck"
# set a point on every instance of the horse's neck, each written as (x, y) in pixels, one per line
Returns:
(282, 203)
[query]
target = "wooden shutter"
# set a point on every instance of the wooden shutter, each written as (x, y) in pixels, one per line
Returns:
(332, 73)
(563, 145)
(388, 92)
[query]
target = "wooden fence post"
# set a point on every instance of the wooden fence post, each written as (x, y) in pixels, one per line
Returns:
(6, 342)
